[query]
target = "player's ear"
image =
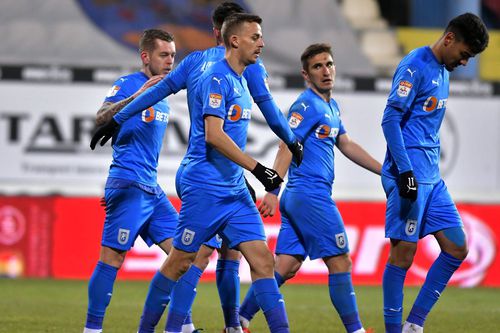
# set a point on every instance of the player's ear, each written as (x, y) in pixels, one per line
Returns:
(145, 57)
(305, 75)
(234, 41)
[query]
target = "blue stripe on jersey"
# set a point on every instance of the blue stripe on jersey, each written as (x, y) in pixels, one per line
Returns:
(221, 93)
(317, 124)
(420, 90)
(137, 145)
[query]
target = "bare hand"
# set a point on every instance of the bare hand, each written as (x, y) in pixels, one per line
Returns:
(149, 83)
(268, 205)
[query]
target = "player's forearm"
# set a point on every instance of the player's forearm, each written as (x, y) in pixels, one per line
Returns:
(276, 121)
(108, 110)
(282, 160)
(394, 138)
(219, 140)
(143, 101)
(361, 157)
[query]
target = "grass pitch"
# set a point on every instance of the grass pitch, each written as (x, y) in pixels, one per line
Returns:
(60, 306)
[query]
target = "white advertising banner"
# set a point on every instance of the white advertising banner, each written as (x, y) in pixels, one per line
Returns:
(45, 131)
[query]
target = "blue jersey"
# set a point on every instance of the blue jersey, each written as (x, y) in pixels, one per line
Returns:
(137, 145)
(317, 124)
(417, 100)
(224, 94)
(186, 76)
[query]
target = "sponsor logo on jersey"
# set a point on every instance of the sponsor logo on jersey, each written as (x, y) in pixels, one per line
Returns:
(187, 236)
(123, 235)
(150, 114)
(341, 241)
(295, 120)
(404, 88)
(432, 103)
(215, 100)
(411, 227)
(236, 113)
(324, 131)
(113, 91)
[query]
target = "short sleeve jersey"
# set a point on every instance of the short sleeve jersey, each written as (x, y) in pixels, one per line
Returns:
(189, 71)
(221, 93)
(317, 124)
(137, 145)
(420, 89)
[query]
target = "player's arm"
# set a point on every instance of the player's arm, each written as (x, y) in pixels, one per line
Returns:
(357, 154)
(218, 139)
(256, 77)
(109, 109)
(282, 162)
(391, 126)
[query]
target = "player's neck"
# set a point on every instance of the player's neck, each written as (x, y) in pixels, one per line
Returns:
(146, 72)
(325, 95)
(436, 49)
(234, 62)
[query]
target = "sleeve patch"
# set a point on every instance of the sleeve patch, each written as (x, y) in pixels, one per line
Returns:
(215, 100)
(295, 120)
(404, 88)
(113, 91)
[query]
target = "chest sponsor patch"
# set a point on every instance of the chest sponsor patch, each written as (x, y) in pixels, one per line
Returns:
(295, 120)
(404, 88)
(215, 100)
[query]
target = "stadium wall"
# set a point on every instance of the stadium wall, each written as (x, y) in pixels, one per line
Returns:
(50, 181)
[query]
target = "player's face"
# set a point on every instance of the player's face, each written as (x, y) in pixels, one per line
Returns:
(456, 53)
(250, 42)
(161, 59)
(320, 74)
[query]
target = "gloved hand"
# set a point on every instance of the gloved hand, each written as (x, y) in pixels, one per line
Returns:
(251, 190)
(268, 177)
(408, 185)
(297, 150)
(105, 132)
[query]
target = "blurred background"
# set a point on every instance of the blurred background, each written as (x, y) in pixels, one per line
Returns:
(58, 59)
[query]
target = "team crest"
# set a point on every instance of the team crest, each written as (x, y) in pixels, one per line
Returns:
(218, 238)
(215, 100)
(295, 120)
(404, 88)
(411, 227)
(187, 236)
(341, 240)
(123, 235)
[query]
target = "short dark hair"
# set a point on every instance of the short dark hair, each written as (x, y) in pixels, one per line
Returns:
(470, 29)
(313, 50)
(233, 22)
(149, 36)
(224, 10)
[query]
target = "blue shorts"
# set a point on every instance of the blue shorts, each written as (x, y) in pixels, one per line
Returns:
(311, 225)
(206, 212)
(131, 211)
(434, 210)
(214, 242)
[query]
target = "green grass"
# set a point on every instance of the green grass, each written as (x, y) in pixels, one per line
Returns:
(60, 306)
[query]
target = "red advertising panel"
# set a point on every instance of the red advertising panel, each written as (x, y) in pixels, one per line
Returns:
(26, 236)
(60, 237)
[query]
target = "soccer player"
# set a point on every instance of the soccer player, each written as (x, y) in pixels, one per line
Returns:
(221, 203)
(418, 201)
(311, 224)
(186, 76)
(135, 203)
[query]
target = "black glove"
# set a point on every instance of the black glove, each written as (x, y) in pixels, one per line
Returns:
(408, 185)
(268, 177)
(105, 132)
(297, 150)
(251, 190)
